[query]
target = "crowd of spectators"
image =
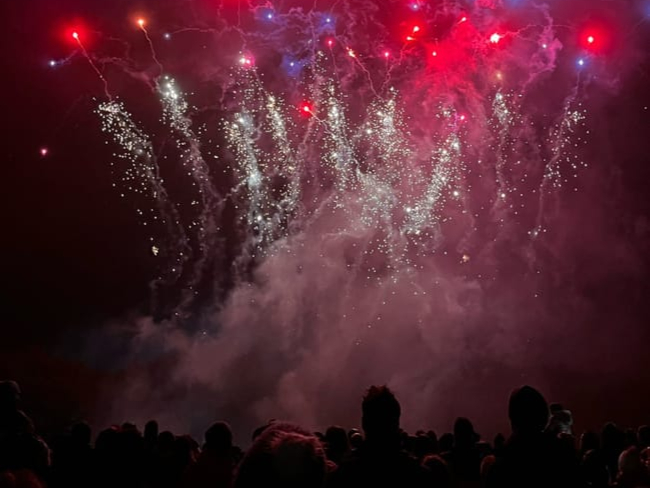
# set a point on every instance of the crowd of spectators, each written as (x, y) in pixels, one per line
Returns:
(541, 451)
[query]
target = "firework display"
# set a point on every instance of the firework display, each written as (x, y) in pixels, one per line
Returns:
(381, 173)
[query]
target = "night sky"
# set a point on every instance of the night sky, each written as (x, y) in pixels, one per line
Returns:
(530, 265)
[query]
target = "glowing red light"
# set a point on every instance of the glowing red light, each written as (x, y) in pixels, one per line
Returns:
(75, 35)
(141, 22)
(386, 54)
(495, 38)
(416, 29)
(44, 152)
(434, 54)
(462, 118)
(596, 38)
(464, 19)
(330, 42)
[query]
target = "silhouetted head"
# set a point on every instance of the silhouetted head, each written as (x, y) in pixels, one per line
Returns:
(423, 445)
(107, 440)
(631, 470)
(464, 435)
(629, 438)
(589, 441)
(151, 431)
(9, 395)
(380, 414)
(166, 441)
(612, 437)
(184, 450)
(446, 442)
(81, 434)
(438, 469)
(219, 437)
(337, 442)
(284, 455)
(643, 436)
(527, 410)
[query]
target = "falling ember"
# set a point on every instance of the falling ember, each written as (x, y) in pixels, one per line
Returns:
(495, 38)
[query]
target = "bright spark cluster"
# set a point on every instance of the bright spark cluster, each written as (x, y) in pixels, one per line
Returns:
(473, 156)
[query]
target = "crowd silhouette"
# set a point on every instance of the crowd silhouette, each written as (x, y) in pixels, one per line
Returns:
(541, 451)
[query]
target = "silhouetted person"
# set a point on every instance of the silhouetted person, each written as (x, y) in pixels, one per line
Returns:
(643, 436)
(593, 471)
(632, 473)
(150, 435)
(283, 456)
(149, 445)
(446, 442)
(531, 457)
(12, 419)
(589, 441)
(163, 467)
(20, 447)
(107, 458)
(463, 458)
(184, 451)
(336, 443)
(612, 440)
(438, 471)
(216, 464)
(130, 456)
(629, 438)
(423, 446)
(380, 461)
(488, 460)
(73, 460)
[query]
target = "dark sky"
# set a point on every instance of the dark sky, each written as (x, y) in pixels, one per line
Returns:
(76, 257)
